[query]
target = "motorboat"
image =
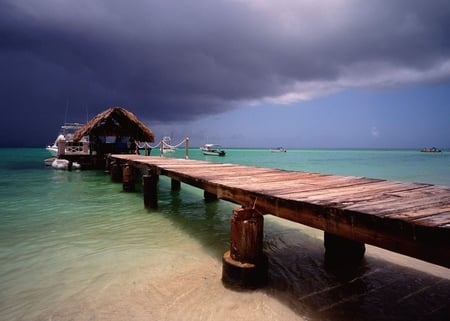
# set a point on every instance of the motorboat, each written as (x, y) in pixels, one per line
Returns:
(59, 163)
(279, 150)
(66, 134)
(213, 150)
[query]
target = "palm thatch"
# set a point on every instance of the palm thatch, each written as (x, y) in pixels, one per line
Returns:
(116, 121)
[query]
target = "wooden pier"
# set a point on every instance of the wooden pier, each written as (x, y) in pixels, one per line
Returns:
(408, 218)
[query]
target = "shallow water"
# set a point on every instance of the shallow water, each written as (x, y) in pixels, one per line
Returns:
(73, 246)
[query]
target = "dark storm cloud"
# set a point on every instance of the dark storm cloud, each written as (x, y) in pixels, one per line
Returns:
(179, 60)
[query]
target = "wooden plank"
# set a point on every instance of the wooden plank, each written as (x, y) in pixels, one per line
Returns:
(441, 220)
(395, 203)
(419, 213)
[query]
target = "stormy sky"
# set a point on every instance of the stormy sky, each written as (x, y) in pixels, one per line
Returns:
(250, 73)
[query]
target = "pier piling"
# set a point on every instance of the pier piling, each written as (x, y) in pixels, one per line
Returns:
(342, 251)
(209, 197)
(150, 190)
(128, 178)
(175, 185)
(116, 172)
(245, 264)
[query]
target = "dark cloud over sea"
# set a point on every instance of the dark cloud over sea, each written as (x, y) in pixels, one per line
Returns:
(172, 61)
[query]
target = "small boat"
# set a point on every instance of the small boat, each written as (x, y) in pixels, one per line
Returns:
(279, 150)
(213, 150)
(66, 134)
(59, 163)
(430, 150)
(49, 161)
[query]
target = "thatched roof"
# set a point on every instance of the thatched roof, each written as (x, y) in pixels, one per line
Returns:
(116, 121)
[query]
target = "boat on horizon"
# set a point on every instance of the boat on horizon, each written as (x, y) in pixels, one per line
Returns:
(430, 150)
(213, 150)
(278, 150)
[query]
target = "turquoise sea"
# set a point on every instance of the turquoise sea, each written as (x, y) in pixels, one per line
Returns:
(74, 246)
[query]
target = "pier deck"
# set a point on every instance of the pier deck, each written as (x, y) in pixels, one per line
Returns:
(408, 218)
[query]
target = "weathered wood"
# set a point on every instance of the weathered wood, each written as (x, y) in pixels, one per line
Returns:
(408, 218)
(245, 264)
(246, 236)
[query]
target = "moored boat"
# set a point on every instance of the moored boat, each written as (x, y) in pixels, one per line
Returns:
(213, 150)
(279, 150)
(71, 147)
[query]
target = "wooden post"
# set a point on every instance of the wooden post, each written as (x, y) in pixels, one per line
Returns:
(150, 190)
(186, 148)
(342, 251)
(128, 178)
(107, 165)
(86, 147)
(245, 264)
(61, 147)
(175, 185)
(116, 172)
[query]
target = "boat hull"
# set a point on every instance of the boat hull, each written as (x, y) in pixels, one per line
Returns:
(64, 164)
(213, 150)
(221, 153)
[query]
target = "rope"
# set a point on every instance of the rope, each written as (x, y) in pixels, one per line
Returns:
(173, 146)
(146, 145)
(164, 145)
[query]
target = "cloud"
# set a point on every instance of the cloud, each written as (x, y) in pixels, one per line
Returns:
(171, 60)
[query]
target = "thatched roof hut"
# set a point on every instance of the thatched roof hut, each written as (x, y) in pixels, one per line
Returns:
(116, 121)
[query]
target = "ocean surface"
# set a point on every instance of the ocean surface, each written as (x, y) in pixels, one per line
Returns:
(74, 246)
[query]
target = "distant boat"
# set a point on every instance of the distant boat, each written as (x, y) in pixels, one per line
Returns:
(430, 150)
(279, 150)
(213, 150)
